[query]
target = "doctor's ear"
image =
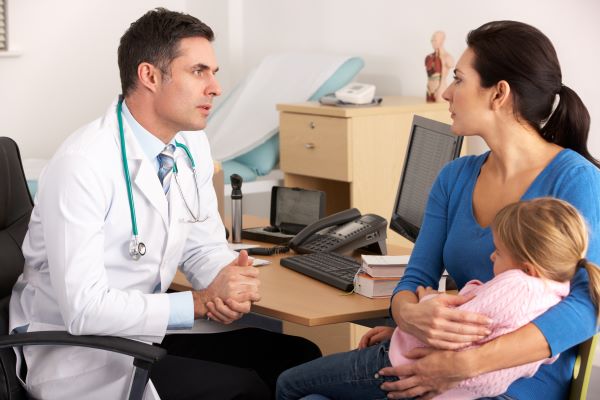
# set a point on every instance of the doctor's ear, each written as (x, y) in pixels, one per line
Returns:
(501, 95)
(149, 76)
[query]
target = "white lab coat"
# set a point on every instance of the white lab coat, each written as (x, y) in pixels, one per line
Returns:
(78, 273)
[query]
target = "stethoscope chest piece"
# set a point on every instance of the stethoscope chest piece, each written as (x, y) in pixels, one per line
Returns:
(136, 248)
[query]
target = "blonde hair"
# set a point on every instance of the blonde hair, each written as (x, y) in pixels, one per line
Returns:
(551, 236)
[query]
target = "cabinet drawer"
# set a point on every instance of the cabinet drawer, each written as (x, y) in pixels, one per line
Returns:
(315, 146)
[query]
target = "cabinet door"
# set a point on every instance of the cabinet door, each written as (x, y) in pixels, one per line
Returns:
(316, 146)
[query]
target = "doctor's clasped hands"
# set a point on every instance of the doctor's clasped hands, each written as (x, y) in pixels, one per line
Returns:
(231, 293)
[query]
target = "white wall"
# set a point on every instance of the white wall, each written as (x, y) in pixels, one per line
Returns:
(393, 36)
(67, 73)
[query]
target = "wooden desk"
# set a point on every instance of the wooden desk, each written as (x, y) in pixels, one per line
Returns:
(290, 296)
(305, 302)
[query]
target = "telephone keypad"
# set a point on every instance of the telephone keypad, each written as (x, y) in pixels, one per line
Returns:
(323, 243)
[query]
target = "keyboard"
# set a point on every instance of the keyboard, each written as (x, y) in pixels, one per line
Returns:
(330, 268)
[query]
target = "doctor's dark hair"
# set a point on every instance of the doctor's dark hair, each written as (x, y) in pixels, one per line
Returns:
(154, 38)
(524, 57)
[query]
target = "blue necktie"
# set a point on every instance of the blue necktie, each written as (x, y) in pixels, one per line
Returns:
(165, 162)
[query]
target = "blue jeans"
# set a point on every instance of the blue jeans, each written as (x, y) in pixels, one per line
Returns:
(349, 375)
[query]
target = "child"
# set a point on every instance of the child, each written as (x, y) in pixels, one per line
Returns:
(540, 244)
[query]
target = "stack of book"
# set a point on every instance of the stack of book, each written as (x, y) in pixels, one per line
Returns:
(379, 275)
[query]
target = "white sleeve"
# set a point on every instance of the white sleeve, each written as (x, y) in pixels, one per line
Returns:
(206, 251)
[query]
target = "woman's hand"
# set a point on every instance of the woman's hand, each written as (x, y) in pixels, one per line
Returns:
(422, 292)
(437, 323)
(432, 373)
(375, 335)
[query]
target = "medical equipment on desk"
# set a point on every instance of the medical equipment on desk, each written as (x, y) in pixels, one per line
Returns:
(236, 208)
(137, 248)
(356, 93)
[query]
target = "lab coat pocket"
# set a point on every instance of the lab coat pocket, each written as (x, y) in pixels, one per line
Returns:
(74, 373)
(47, 363)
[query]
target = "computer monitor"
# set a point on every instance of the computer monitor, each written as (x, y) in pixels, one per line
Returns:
(431, 145)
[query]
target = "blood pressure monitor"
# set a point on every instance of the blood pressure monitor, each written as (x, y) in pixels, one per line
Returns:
(356, 93)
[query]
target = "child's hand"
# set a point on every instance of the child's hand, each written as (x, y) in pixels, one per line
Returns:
(375, 335)
(422, 292)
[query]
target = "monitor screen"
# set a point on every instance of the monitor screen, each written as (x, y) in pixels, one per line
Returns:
(431, 145)
(295, 206)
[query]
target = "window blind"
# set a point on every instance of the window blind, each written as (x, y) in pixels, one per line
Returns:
(3, 30)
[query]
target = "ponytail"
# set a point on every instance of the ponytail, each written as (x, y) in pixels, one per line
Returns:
(569, 125)
(594, 274)
(525, 58)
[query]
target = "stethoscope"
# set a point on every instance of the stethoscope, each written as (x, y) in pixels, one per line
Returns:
(137, 248)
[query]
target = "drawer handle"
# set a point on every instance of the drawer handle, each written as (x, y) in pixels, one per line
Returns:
(309, 145)
(311, 125)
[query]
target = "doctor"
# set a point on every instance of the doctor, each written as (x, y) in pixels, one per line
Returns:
(120, 206)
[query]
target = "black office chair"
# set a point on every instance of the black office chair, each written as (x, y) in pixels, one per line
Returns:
(15, 210)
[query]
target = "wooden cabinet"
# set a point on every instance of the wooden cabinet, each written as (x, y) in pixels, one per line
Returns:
(353, 154)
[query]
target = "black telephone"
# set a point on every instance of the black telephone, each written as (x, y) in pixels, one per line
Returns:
(343, 232)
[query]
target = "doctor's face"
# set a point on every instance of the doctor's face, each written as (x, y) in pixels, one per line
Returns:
(183, 100)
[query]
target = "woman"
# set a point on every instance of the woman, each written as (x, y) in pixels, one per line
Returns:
(505, 87)
(508, 90)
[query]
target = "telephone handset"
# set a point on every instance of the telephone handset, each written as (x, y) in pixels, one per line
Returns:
(343, 232)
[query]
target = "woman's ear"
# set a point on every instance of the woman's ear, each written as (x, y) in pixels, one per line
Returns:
(500, 95)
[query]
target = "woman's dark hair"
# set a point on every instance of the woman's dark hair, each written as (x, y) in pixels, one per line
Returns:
(524, 57)
(154, 38)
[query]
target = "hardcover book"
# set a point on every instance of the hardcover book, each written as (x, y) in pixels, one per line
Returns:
(374, 287)
(384, 266)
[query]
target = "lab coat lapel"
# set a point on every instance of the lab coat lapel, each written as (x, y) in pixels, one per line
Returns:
(178, 211)
(146, 180)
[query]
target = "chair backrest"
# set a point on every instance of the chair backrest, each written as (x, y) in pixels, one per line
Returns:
(582, 370)
(15, 210)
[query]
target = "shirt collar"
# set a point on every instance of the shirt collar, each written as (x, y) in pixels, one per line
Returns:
(151, 145)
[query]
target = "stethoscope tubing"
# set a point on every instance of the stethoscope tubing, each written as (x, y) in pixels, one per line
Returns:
(136, 247)
(134, 227)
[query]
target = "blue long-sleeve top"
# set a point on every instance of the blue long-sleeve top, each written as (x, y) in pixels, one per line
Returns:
(451, 238)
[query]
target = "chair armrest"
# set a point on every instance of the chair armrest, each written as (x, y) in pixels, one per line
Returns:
(139, 350)
(582, 370)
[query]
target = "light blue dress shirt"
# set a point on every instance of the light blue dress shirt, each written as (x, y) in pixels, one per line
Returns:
(181, 314)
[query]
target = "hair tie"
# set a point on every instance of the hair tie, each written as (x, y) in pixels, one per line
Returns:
(582, 263)
(561, 89)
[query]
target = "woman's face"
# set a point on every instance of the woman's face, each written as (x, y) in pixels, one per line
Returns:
(470, 104)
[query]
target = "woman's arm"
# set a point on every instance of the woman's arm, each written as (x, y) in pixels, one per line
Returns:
(437, 323)
(435, 371)
(573, 320)
(432, 321)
